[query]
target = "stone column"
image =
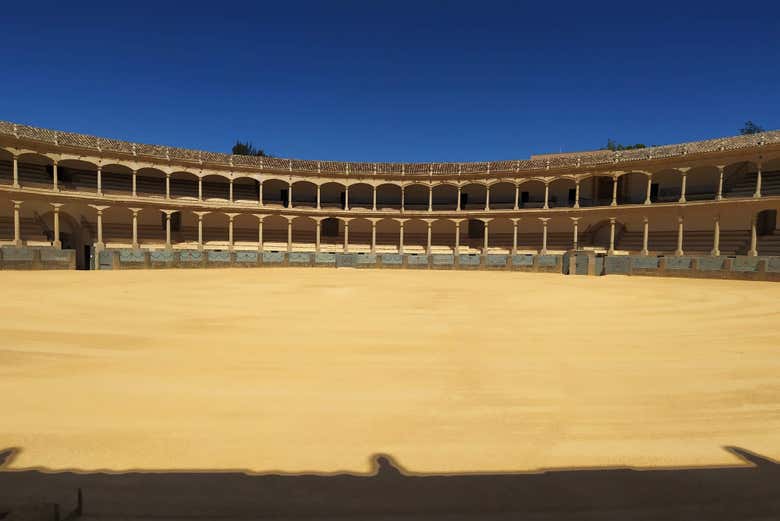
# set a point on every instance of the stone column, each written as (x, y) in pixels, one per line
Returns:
(346, 198)
(648, 189)
(135, 211)
(716, 238)
(260, 218)
(457, 238)
(373, 236)
(168, 243)
(486, 243)
(401, 236)
(614, 191)
(260, 193)
(757, 193)
(428, 244)
(719, 195)
(546, 195)
(346, 236)
(683, 186)
(611, 250)
(317, 236)
(487, 198)
(230, 190)
(753, 237)
(577, 194)
(517, 197)
(99, 209)
(200, 228)
(55, 177)
(430, 198)
(16, 172)
(679, 252)
(403, 199)
(645, 236)
(99, 181)
(373, 204)
(514, 236)
(319, 206)
(167, 185)
(544, 234)
(289, 195)
(457, 208)
(135, 177)
(56, 243)
(17, 223)
(231, 243)
(575, 242)
(289, 234)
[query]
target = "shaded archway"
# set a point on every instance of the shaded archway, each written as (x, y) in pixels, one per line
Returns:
(35, 171)
(388, 197)
(500, 235)
(596, 190)
(275, 192)
(387, 235)
(531, 194)
(77, 176)
(739, 179)
(332, 195)
(6, 167)
(472, 196)
(359, 234)
(442, 236)
(361, 195)
(770, 177)
(245, 231)
(215, 231)
(304, 194)
(502, 196)
(275, 233)
(701, 183)
(150, 182)
(216, 187)
(666, 186)
(632, 188)
(416, 197)
(415, 236)
(445, 197)
(117, 179)
(184, 185)
(562, 192)
(246, 190)
(331, 234)
(304, 230)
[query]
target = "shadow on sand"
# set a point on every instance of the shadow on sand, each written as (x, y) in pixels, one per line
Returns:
(744, 492)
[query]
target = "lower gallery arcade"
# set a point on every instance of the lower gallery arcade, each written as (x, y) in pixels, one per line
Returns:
(84, 227)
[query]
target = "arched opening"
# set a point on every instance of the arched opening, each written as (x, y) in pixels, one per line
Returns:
(275, 193)
(562, 192)
(6, 167)
(304, 231)
(34, 230)
(77, 176)
(361, 195)
(184, 185)
(531, 194)
(150, 182)
(739, 179)
(117, 179)
(445, 197)
(245, 231)
(359, 234)
(701, 183)
(598, 234)
(770, 177)
(632, 188)
(472, 236)
(275, 233)
(117, 227)
(388, 197)
(331, 234)
(415, 236)
(596, 190)
(473, 196)
(529, 235)
(416, 197)
(215, 231)
(443, 236)
(71, 234)
(332, 195)
(246, 190)
(500, 235)
(666, 186)
(216, 187)
(304, 194)
(387, 235)
(502, 196)
(35, 171)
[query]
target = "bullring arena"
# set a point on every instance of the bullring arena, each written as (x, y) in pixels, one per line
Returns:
(470, 330)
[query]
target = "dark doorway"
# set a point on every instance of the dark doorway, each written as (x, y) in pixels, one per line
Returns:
(284, 195)
(766, 222)
(343, 199)
(86, 259)
(524, 198)
(464, 200)
(476, 229)
(330, 227)
(653, 192)
(572, 196)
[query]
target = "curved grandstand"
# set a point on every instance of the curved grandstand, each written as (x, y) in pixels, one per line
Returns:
(117, 204)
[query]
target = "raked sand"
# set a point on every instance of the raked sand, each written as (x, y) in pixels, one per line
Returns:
(317, 369)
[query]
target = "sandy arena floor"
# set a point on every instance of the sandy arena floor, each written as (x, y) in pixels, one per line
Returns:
(317, 369)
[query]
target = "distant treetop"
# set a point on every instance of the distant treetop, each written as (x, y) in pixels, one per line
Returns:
(612, 145)
(246, 148)
(750, 128)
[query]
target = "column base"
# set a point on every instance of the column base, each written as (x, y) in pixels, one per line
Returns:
(57, 244)
(644, 253)
(715, 253)
(682, 200)
(679, 253)
(753, 253)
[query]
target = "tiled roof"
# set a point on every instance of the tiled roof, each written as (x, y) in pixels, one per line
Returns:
(543, 162)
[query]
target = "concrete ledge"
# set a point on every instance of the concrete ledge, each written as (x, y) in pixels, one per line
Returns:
(392, 260)
(365, 260)
(298, 258)
(325, 259)
(442, 261)
(469, 261)
(496, 261)
(417, 261)
(274, 258)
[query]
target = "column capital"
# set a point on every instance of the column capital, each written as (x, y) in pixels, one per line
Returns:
(231, 215)
(544, 220)
(201, 214)
(17, 204)
(679, 218)
(458, 220)
(167, 211)
(645, 219)
(612, 220)
(400, 220)
(485, 219)
(135, 210)
(260, 216)
(57, 206)
(99, 207)
(515, 220)
(290, 218)
(575, 219)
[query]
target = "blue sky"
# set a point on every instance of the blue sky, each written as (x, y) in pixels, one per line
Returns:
(393, 80)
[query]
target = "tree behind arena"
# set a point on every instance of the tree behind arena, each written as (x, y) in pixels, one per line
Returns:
(246, 148)
(750, 128)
